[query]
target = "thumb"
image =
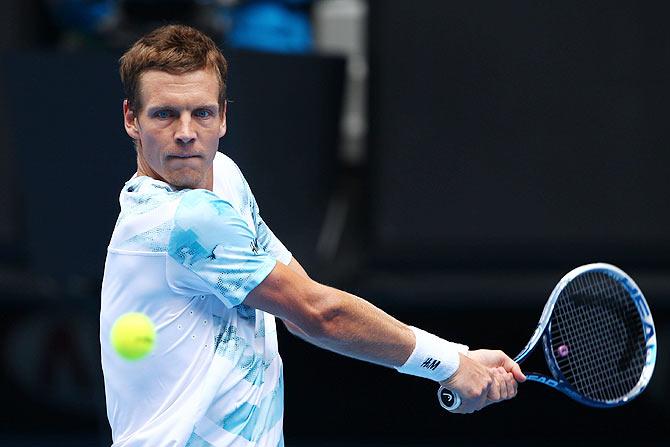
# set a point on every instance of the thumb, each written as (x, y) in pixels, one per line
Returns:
(513, 367)
(518, 375)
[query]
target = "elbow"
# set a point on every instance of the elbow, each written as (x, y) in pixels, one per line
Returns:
(294, 329)
(324, 313)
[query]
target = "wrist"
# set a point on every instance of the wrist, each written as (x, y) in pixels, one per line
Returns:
(433, 357)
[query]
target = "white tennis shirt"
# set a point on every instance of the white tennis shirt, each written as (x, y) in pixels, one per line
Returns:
(187, 259)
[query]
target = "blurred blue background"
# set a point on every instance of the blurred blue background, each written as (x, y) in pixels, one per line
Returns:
(448, 161)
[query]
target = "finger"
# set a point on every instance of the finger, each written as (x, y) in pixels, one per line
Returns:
(494, 390)
(504, 384)
(507, 386)
(518, 375)
(511, 385)
(507, 363)
(513, 367)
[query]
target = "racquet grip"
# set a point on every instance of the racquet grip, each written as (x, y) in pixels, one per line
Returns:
(449, 400)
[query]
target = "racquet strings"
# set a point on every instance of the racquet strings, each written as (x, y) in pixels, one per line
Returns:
(597, 337)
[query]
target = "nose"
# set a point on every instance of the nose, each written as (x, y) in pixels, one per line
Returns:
(185, 133)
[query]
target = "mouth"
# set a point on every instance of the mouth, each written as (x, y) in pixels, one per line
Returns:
(182, 156)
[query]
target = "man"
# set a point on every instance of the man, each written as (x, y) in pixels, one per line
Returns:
(191, 251)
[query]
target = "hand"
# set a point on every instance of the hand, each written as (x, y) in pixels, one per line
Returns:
(491, 377)
(505, 371)
(472, 381)
(494, 359)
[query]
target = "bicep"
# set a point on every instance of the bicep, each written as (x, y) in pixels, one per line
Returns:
(296, 267)
(290, 296)
(292, 328)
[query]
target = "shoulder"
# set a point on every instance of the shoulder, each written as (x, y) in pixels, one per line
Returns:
(142, 195)
(147, 211)
(226, 168)
(229, 182)
(202, 214)
(225, 164)
(202, 222)
(142, 190)
(146, 185)
(201, 204)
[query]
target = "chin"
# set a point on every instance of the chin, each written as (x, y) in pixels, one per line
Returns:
(186, 182)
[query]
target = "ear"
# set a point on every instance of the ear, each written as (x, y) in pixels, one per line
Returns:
(130, 121)
(223, 127)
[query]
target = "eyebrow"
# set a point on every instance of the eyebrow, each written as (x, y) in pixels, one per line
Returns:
(156, 108)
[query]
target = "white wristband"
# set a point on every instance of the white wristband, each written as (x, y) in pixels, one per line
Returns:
(433, 357)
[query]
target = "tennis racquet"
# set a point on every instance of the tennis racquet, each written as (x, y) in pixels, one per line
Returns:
(598, 339)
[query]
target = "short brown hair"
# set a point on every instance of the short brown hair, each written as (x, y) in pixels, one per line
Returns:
(175, 49)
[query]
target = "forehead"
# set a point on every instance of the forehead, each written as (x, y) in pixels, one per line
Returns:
(163, 87)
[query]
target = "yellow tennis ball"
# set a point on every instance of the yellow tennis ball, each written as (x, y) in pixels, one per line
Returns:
(133, 336)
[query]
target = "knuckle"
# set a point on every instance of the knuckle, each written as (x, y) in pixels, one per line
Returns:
(473, 393)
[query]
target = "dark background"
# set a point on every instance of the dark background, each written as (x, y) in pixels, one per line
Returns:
(508, 143)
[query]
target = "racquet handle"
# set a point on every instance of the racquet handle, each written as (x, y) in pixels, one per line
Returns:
(450, 400)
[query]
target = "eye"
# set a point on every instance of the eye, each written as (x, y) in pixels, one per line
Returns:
(203, 113)
(163, 114)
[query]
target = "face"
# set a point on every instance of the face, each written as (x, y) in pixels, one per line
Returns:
(178, 128)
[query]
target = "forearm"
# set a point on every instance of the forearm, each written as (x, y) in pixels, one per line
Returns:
(356, 328)
(343, 323)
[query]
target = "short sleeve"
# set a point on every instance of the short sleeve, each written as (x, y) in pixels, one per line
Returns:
(266, 238)
(215, 244)
(270, 243)
(228, 179)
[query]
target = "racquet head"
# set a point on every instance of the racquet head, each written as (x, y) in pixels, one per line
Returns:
(600, 340)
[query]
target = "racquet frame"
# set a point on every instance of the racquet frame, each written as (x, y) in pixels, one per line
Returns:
(450, 400)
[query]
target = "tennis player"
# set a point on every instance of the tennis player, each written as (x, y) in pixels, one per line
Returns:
(191, 251)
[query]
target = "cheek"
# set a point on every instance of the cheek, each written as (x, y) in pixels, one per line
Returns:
(210, 136)
(156, 135)
(151, 140)
(151, 146)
